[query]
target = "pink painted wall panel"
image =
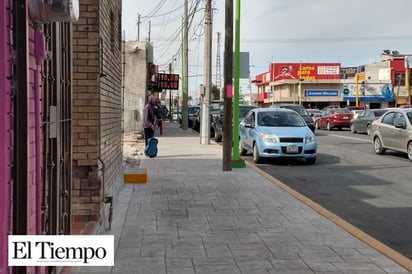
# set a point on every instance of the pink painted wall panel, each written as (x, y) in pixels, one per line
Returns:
(5, 220)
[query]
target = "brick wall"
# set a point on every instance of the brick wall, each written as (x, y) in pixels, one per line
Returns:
(97, 106)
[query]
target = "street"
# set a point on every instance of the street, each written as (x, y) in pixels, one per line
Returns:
(372, 192)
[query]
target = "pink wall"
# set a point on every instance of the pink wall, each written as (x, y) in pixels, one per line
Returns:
(4, 134)
(34, 135)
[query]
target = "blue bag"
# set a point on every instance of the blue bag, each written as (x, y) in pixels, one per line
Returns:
(151, 148)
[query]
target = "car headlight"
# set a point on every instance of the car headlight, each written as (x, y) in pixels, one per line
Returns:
(269, 138)
(310, 138)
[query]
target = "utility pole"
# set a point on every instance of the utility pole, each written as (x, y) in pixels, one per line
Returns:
(185, 68)
(207, 72)
(227, 87)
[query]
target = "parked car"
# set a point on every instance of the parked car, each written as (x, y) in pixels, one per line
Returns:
(302, 112)
(176, 115)
(215, 107)
(334, 118)
(218, 122)
(314, 112)
(276, 133)
(393, 131)
(362, 123)
(406, 106)
(192, 112)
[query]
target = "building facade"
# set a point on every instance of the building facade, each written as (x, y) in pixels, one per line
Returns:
(309, 84)
(97, 110)
(5, 132)
(316, 85)
(36, 160)
(138, 59)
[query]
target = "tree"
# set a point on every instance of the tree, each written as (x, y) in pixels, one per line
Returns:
(215, 93)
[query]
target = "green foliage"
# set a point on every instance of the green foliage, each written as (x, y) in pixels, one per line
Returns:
(215, 93)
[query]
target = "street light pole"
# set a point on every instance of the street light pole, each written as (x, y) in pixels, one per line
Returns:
(205, 113)
(185, 68)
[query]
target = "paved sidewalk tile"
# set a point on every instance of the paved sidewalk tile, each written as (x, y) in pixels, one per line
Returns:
(192, 217)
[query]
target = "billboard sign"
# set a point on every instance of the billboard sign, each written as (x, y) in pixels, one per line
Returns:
(304, 71)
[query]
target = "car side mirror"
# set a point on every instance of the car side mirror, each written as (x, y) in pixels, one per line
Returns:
(249, 125)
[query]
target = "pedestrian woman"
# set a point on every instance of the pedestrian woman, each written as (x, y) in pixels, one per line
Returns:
(149, 118)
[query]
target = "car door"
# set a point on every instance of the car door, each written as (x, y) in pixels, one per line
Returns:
(386, 129)
(247, 131)
(399, 134)
(321, 120)
(363, 119)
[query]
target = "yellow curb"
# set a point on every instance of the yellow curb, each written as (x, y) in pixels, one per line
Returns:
(359, 234)
(135, 175)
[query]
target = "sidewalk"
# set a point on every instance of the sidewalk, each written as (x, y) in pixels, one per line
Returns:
(192, 217)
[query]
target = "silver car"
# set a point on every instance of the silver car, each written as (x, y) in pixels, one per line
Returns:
(393, 131)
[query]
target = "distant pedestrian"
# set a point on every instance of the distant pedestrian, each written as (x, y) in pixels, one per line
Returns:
(149, 118)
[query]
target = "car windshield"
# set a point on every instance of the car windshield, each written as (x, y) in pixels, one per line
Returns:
(216, 105)
(193, 110)
(280, 119)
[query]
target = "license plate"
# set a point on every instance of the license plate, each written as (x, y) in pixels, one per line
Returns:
(292, 149)
(345, 117)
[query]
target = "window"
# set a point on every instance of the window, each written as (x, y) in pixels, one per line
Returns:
(388, 118)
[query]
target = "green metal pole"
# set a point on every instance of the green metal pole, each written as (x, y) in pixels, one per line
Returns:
(237, 162)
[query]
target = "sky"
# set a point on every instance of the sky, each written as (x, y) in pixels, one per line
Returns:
(350, 32)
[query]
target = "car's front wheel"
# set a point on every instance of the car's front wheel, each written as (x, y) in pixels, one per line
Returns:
(377, 144)
(368, 130)
(352, 128)
(256, 157)
(328, 127)
(409, 150)
(218, 136)
(242, 151)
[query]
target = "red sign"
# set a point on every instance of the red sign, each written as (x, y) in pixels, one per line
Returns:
(168, 81)
(262, 79)
(262, 96)
(304, 71)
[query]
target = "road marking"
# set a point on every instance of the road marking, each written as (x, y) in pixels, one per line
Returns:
(351, 229)
(350, 138)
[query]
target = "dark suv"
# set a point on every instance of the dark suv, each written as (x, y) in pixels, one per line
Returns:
(218, 122)
(214, 109)
(301, 110)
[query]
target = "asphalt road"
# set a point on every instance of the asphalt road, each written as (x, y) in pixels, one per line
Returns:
(372, 192)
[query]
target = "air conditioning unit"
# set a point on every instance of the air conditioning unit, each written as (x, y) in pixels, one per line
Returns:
(47, 11)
